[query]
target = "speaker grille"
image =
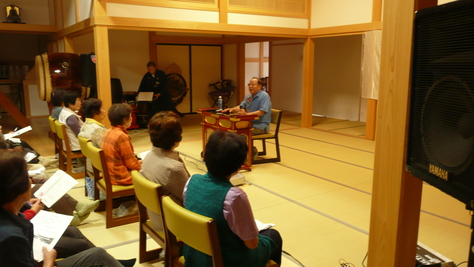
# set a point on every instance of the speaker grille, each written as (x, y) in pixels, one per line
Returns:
(441, 131)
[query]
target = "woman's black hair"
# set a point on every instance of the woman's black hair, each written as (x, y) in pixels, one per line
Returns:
(69, 98)
(118, 113)
(13, 176)
(225, 153)
(57, 97)
(91, 107)
(165, 129)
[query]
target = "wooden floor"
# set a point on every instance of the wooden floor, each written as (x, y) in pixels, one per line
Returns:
(318, 196)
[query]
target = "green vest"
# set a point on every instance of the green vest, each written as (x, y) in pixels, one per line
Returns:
(205, 195)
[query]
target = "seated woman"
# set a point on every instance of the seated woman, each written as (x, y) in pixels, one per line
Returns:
(16, 233)
(72, 103)
(118, 149)
(71, 242)
(213, 195)
(66, 205)
(57, 102)
(93, 129)
(162, 164)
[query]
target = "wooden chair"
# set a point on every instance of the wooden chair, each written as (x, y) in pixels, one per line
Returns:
(66, 152)
(52, 126)
(276, 119)
(97, 158)
(83, 143)
(148, 195)
(197, 231)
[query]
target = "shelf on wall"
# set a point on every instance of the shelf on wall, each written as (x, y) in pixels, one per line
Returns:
(27, 28)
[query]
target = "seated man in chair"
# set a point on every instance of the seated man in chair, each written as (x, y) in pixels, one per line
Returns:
(256, 103)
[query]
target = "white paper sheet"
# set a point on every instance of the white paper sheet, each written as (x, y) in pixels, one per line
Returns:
(262, 226)
(145, 96)
(29, 156)
(36, 172)
(48, 227)
(143, 154)
(24, 130)
(55, 187)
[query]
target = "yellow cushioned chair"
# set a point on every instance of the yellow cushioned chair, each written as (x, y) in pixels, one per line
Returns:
(52, 126)
(197, 231)
(97, 158)
(148, 195)
(66, 152)
(276, 119)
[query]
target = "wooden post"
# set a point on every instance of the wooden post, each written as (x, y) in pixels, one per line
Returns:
(223, 11)
(396, 195)
(241, 83)
(371, 119)
(308, 83)
(101, 43)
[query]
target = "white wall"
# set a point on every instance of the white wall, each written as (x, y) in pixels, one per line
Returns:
(327, 13)
(287, 76)
(129, 53)
(337, 77)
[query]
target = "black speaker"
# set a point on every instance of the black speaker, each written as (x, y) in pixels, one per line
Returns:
(441, 123)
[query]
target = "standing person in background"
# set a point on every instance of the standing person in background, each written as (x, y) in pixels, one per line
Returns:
(68, 116)
(162, 164)
(57, 102)
(118, 149)
(155, 81)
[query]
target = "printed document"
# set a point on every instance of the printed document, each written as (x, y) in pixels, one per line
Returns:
(55, 187)
(48, 227)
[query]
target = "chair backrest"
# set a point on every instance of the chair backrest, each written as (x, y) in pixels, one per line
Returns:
(83, 143)
(97, 158)
(276, 119)
(197, 231)
(147, 192)
(59, 129)
(61, 133)
(51, 124)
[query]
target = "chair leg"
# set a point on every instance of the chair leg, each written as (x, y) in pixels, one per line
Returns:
(68, 165)
(109, 208)
(61, 161)
(264, 146)
(277, 144)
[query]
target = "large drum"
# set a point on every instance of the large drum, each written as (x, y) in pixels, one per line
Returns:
(58, 70)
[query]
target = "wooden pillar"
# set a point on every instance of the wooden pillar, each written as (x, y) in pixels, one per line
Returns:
(371, 119)
(241, 83)
(68, 45)
(308, 83)
(223, 11)
(396, 195)
(101, 44)
(152, 47)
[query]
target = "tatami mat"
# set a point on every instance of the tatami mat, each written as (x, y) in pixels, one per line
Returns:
(319, 197)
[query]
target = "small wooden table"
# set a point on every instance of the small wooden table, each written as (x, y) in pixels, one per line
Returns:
(240, 124)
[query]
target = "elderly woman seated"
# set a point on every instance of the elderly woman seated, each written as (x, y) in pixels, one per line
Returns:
(213, 195)
(162, 164)
(118, 150)
(16, 233)
(72, 103)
